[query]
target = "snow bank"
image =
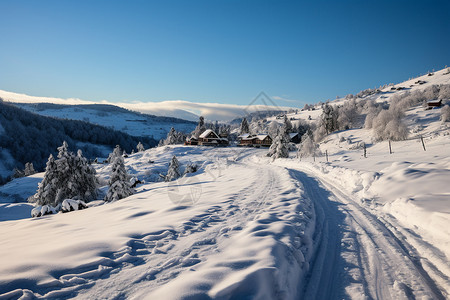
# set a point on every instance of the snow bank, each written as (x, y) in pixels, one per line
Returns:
(416, 194)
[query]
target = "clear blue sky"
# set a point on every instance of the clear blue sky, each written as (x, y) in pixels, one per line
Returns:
(217, 51)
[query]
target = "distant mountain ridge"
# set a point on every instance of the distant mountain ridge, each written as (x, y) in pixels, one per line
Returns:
(115, 117)
(29, 137)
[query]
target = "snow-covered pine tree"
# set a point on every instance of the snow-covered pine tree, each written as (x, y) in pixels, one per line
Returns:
(347, 115)
(306, 147)
(224, 129)
(83, 182)
(244, 128)
(64, 168)
(273, 129)
(119, 186)
(18, 173)
(287, 125)
(445, 113)
(116, 152)
(279, 147)
(329, 118)
(190, 168)
(174, 170)
(200, 127)
(47, 188)
(29, 169)
(68, 177)
(216, 127)
(171, 137)
(140, 147)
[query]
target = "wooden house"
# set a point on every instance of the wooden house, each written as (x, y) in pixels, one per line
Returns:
(263, 140)
(251, 140)
(210, 138)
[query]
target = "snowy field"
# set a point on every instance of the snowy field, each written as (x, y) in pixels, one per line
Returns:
(243, 226)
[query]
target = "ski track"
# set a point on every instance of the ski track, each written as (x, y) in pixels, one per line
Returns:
(350, 234)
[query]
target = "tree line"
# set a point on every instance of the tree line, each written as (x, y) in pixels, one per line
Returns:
(31, 137)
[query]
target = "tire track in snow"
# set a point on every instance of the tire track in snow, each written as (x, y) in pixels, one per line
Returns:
(388, 270)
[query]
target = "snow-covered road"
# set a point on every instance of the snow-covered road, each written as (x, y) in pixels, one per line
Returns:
(357, 254)
(256, 230)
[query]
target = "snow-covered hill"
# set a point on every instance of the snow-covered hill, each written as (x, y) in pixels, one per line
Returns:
(133, 123)
(385, 94)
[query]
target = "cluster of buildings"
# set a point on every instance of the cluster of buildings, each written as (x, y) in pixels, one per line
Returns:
(211, 138)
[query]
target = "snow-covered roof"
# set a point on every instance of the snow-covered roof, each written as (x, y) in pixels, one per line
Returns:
(244, 136)
(434, 101)
(261, 136)
(293, 134)
(207, 132)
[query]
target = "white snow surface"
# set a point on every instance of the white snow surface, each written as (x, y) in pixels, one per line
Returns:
(244, 227)
(224, 238)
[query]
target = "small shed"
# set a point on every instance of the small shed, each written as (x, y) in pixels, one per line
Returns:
(434, 103)
(294, 137)
(191, 141)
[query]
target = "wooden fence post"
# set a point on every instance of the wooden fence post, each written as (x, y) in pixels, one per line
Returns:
(423, 144)
(326, 153)
(390, 148)
(365, 151)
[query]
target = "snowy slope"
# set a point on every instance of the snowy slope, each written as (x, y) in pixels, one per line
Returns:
(438, 77)
(222, 239)
(240, 227)
(152, 110)
(133, 123)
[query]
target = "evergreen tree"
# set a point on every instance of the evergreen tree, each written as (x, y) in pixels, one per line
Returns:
(329, 119)
(200, 127)
(116, 152)
(173, 137)
(68, 177)
(279, 147)
(174, 170)
(119, 186)
(140, 147)
(47, 188)
(273, 129)
(216, 127)
(287, 125)
(224, 129)
(83, 183)
(306, 147)
(18, 173)
(29, 169)
(64, 165)
(244, 127)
